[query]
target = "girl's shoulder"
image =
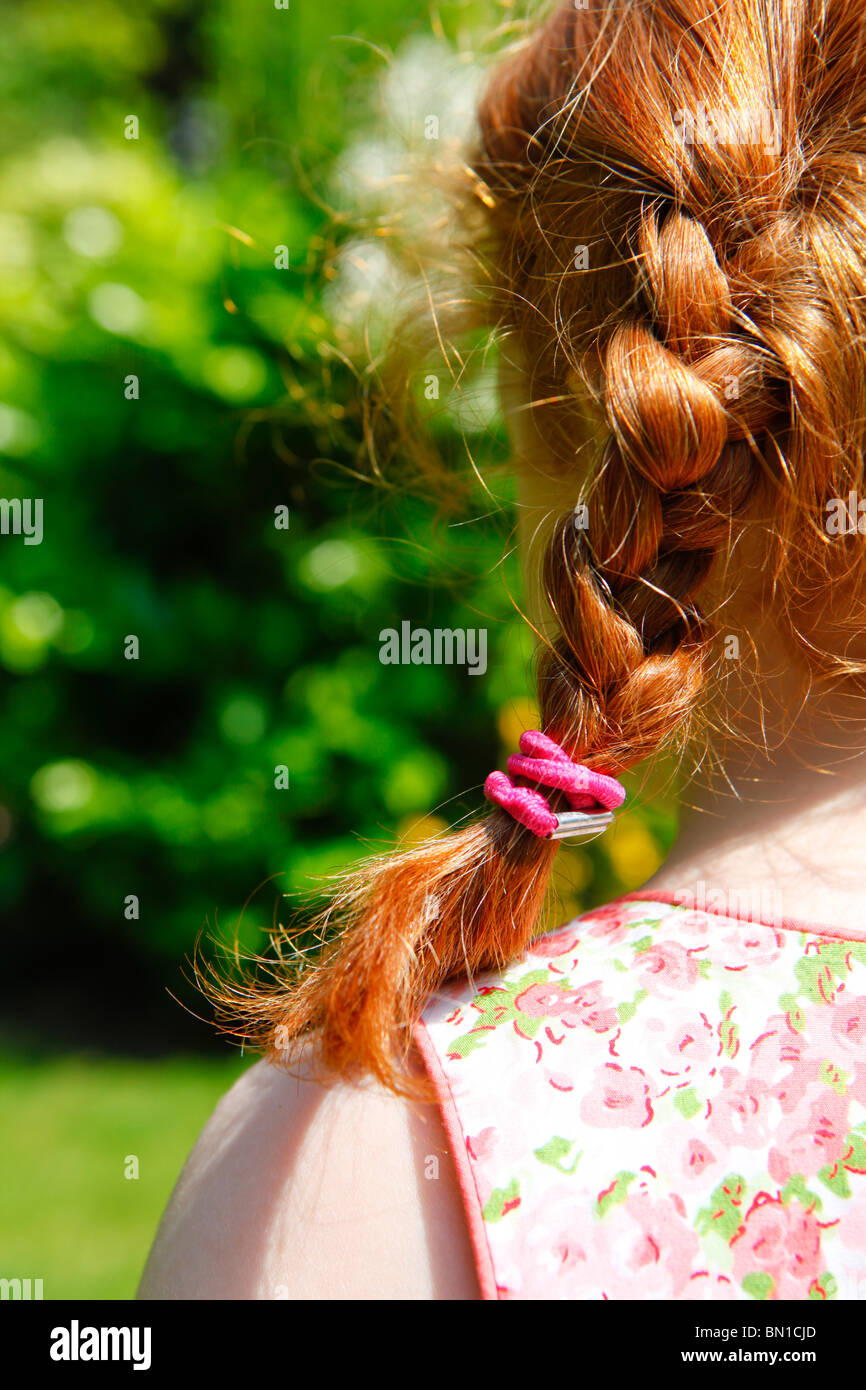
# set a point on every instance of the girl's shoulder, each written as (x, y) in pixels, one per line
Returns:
(301, 1189)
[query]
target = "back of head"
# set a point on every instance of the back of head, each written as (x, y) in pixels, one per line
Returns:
(675, 234)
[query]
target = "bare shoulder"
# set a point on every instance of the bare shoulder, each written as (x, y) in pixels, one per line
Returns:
(300, 1189)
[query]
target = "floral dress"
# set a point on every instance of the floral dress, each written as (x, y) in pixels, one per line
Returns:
(658, 1102)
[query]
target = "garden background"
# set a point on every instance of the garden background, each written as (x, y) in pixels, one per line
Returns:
(164, 387)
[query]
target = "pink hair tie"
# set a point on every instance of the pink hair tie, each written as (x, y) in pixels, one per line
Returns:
(592, 797)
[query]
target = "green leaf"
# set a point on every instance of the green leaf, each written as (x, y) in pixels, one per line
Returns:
(833, 1175)
(626, 1010)
(617, 1192)
(688, 1103)
(795, 1188)
(554, 1151)
(501, 1201)
(724, 1216)
(795, 1015)
(729, 1035)
(823, 1288)
(758, 1286)
(835, 1077)
(855, 1159)
(468, 1042)
(819, 974)
(529, 1026)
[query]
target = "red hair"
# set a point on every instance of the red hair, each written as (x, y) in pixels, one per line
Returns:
(717, 335)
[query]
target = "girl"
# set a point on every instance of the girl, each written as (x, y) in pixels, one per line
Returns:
(665, 1099)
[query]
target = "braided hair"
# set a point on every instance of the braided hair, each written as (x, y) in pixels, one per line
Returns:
(675, 234)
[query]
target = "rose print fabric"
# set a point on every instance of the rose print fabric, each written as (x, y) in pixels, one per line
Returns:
(661, 1103)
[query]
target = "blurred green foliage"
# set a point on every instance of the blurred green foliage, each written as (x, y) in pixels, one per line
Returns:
(164, 387)
(154, 258)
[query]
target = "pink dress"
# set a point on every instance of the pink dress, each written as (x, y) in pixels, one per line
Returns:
(661, 1102)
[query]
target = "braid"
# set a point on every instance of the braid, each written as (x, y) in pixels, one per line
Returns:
(717, 334)
(635, 650)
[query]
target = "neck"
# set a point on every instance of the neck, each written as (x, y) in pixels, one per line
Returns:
(782, 832)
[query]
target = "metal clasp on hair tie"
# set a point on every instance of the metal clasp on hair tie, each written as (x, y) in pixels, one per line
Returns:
(583, 825)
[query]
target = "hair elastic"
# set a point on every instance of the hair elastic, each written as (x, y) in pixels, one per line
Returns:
(592, 796)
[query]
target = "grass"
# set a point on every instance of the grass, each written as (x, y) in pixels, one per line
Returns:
(68, 1213)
